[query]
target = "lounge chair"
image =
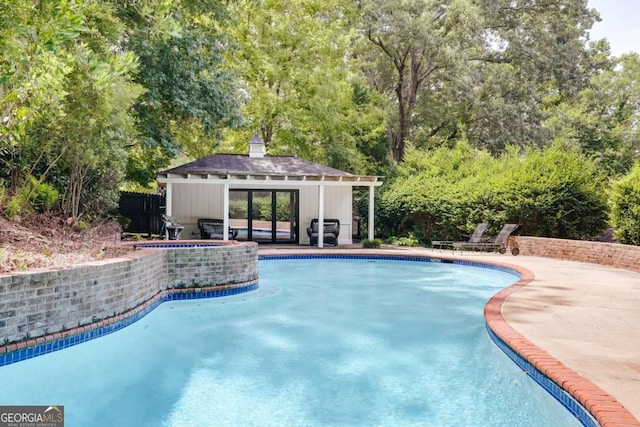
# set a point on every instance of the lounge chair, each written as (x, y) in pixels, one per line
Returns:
(331, 231)
(499, 243)
(475, 237)
(214, 229)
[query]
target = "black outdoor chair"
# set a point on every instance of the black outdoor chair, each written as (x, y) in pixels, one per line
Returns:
(331, 231)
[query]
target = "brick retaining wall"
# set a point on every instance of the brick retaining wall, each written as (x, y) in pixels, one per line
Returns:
(36, 304)
(203, 266)
(611, 254)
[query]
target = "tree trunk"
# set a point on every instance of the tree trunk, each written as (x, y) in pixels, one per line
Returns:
(75, 186)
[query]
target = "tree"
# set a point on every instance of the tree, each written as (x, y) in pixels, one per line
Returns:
(190, 95)
(68, 92)
(419, 44)
(484, 71)
(601, 119)
(304, 96)
(34, 40)
(94, 132)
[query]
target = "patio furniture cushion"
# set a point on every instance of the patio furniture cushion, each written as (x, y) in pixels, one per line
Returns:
(331, 231)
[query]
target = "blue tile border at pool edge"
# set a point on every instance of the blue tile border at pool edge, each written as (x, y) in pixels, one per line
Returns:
(572, 405)
(62, 343)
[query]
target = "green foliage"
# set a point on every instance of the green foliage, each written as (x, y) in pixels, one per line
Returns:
(411, 240)
(69, 75)
(81, 226)
(262, 207)
(46, 251)
(413, 47)
(190, 96)
(555, 192)
(238, 209)
(64, 71)
(43, 196)
(601, 118)
(625, 207)
(95, 92)
(13, 260)
(552, 192)
(123, 221)
(304, 94)
(18, 203)
(371, 244)
(435, 193)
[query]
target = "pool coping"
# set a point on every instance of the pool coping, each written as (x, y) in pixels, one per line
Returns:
(606, 410)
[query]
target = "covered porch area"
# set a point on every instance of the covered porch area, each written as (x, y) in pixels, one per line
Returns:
(267, 199)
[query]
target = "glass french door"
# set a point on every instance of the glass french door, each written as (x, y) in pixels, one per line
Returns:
(267, 216)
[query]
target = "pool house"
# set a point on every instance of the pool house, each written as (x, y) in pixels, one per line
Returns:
(262, 198)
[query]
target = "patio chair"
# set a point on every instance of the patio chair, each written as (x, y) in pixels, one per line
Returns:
(213, 229)
(499, 242)
(475, 237)
(331, 231)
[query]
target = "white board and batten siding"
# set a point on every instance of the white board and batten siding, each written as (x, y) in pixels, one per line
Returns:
(192, 201)
(337, 204)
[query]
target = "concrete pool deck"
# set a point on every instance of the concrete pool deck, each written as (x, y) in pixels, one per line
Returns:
(585, 316)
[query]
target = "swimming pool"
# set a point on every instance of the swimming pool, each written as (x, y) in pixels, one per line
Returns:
(321, 342)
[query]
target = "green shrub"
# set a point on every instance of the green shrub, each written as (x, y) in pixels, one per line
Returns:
(625, 207)
(410, 240)
(43, 195)
(238, 209)
(123, 221)
(18, 203)
(371, 244)
(443, 193)
(81, 226)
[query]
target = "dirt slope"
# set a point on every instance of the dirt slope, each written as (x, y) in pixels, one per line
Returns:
(42, 242)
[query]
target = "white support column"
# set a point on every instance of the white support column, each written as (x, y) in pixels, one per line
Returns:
(168, 207)
(168, 196)
(321, 216)
(371, 213)
(225, 212)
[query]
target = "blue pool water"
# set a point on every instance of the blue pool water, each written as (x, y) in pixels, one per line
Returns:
(322, 342)
(261, 233)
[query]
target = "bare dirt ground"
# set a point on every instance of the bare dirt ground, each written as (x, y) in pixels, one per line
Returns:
(44, 242)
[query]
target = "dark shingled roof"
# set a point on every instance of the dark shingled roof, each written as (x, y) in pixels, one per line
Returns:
(242, 164)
